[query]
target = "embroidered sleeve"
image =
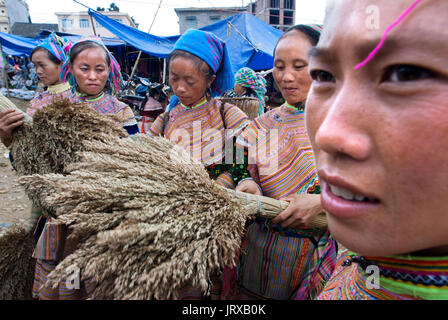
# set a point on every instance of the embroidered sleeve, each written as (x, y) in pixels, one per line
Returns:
(157, 127)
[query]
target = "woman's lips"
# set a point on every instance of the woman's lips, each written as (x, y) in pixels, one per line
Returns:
(290, 90)
(346, 202)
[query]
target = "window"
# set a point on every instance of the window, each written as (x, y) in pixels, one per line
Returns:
(288, 17)
(274, 17)
(214, 19)
(67, 23)
(275, 3)
(289, 4)
(84, 23)
(191, 22)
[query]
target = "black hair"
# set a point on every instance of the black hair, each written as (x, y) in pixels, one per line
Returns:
(312, 34)
(51, 56)
(201, 65)
(81, 46)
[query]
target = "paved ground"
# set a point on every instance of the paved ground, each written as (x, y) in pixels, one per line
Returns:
(14, 204)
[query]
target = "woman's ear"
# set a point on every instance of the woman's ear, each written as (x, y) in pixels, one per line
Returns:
(210, 81)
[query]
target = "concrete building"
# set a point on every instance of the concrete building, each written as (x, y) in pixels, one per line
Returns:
(32, 30)
(12, 11)
(278, 13)
(80, 23)
(195, 18)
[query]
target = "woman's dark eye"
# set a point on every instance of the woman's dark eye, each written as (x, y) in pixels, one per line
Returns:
(406, 73)
(322, 76)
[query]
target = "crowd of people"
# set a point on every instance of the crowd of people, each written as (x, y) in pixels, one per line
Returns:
(340, 144)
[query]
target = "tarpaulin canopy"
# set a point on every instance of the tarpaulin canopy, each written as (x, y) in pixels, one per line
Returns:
(250, 41)
(153, 45)
(23, 46)
(16, 45)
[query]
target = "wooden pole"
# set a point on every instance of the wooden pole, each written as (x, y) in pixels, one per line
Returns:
(140, 53)
(93, 25)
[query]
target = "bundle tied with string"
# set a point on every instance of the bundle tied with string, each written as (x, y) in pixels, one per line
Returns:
(145, 216)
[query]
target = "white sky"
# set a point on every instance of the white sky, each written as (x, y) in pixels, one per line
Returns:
(166, 23)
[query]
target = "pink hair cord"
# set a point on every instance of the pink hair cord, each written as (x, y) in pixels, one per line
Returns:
(393, 25)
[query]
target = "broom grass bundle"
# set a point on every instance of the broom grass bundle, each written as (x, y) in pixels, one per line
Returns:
(249, 105)
(16, 263)
(146, 217)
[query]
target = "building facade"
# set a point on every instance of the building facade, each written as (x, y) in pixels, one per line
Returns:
(80, 23)
(195, 18)
(278, 13)
(12, 11)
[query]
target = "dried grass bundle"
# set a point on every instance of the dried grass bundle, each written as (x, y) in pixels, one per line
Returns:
(53, 138)
(249, 105)
(16, 263)
(147, 216)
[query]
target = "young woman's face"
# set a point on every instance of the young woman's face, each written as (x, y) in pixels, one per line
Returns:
(47, 71)
(91, 71)
(188, 83)
(380, 133)
(291, 67)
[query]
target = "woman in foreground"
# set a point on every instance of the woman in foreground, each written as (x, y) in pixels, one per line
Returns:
(379, 134)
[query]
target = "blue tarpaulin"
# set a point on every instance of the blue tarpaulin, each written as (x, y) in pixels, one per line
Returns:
(153, 45)
(250, 41)
(16, 45)
(23, 46)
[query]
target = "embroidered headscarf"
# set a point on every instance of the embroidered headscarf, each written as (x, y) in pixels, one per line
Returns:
(213, 51)
(57, 46)
(248, 78)
(115, 78)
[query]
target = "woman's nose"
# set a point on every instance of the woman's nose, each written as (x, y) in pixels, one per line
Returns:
(343, 128)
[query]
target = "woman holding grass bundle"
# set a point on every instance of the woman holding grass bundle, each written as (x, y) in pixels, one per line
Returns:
(199, 69)
(284, 259)
(385, 200)
(94, 75)
(48, 58)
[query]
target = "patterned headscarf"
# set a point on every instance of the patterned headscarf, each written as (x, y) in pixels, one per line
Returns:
(57, 46)
(115, 78)
(248, 78)
(213, 51)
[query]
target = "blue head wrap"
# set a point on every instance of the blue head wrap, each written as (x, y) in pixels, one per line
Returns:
(57, 46)
(213, 51)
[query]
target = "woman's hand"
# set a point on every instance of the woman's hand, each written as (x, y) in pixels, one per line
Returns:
(9, 120)
(303, 208)
(249, 186)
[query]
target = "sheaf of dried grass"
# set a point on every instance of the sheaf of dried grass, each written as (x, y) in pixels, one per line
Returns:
(16, 263)
(55, 135)
(147, 216)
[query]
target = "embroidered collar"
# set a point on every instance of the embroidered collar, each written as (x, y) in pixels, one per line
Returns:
(59, 88)
(201, 103)
(299, 108)
(417, 277)
(87, 98)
